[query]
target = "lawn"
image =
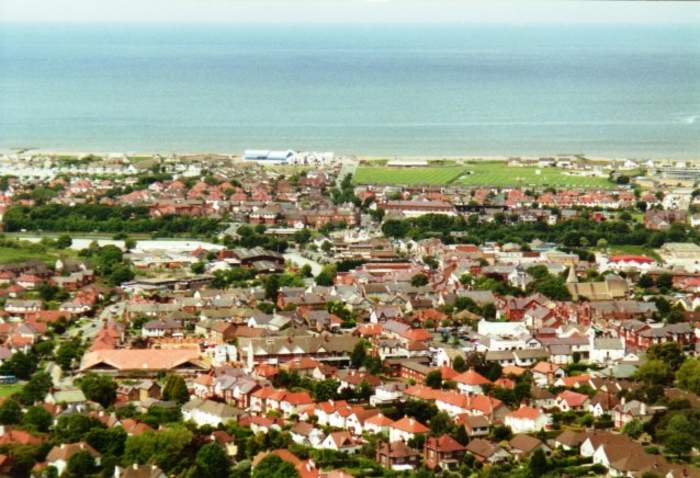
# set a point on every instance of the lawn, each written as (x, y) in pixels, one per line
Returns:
(407, 176)
(10, 254)
(484, 173)
(500, 174)
(7, 390)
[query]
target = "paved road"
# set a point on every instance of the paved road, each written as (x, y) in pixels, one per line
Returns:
(302, 261)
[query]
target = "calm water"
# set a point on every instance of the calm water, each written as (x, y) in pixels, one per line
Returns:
(609, 90)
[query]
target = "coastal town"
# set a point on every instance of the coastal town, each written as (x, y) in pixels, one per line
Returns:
(312, 315)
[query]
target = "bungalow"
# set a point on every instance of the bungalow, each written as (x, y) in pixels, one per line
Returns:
(568, 400)
(486, 452)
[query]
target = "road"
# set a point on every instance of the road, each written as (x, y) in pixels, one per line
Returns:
(302, 261)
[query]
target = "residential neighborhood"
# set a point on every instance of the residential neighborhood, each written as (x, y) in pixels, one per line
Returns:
(171, 316)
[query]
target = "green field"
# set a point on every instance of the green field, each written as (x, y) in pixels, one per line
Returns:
(7, 390)
(487, 173)
(10, 254)
(407, 176)
(500, 174)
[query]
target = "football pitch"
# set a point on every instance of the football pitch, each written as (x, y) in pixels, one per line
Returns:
(497, 174)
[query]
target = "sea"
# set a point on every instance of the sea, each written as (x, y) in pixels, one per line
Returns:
(383, 90)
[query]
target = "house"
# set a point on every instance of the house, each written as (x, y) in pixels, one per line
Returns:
(526, 420)
(398, 456)
(406, 429)
(442, 452)
(341, 441)
(607, 350)
(546, 373)
(139, 471)
(522, 445)
(475, 425)
(569, 439)
(568, 400)
(209, 412)
(378, 424)
(304, 433)
(486, 452)
(59, 455)
(471, 382)
(74, 397)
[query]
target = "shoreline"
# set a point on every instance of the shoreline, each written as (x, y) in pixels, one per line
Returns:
(237, 155)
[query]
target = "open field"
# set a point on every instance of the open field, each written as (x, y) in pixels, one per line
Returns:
(499, 174)
(11, 254)
(408, 176)
(7, 390)
(486, 173)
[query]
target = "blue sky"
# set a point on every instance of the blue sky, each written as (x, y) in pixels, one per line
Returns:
(350, 11)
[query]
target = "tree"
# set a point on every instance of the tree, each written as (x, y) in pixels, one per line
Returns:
(664, 281)
(419, 280)
(458, 364)
(68, 353)
(176, 389)
(63, 241)
(198, 267)
(645, 281)
(80, 464)
(120, 274)
(679, 435)
(36, 389)
(212, 461)
(440, 423)
(20, 365)
(327, 276)
(434, 379)
(164, 448)
(688, 375)
(272, 287)
(306, 271)
(72, 428)
(99, 388)
(654, 372)
(273, 466)
(37, 419)
(538, 463)
(359, 354)
(634, 429)
(10, 412)
(669, 353)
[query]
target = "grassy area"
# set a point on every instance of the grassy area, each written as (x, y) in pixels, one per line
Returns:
(10, 254)
(484, 173)
(7, 390)
(500, 174)
(633, 250)
(407, 176)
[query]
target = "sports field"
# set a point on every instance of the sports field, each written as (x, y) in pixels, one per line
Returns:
(476, 174)
(407, 176)
(500, 174)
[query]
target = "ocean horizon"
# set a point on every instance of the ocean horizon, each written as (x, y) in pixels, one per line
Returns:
(394, 90)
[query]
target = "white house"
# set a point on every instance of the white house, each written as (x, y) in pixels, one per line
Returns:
(406, 429)
(526, 420)
(208, 412)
